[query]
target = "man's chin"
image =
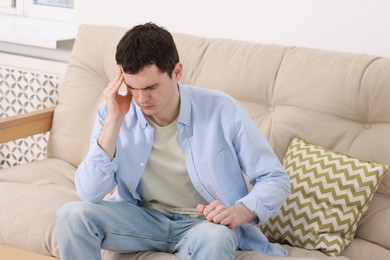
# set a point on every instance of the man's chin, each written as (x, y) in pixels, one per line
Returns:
(147, 112)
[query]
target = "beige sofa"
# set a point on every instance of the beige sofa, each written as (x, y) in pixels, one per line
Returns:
(337, 100)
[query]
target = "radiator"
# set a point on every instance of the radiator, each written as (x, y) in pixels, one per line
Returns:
(26, 85)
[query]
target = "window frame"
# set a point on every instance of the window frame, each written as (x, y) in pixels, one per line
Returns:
(8, 9)
(28, 8)
(7, 3)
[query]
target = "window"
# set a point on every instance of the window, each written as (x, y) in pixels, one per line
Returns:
(55, 3)
(37, 28)
(7, 6)
(7, 3)
(48, 9)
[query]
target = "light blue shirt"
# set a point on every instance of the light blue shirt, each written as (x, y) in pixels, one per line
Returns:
(220, 142)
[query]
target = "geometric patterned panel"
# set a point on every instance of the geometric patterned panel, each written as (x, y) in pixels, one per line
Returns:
(25, 90)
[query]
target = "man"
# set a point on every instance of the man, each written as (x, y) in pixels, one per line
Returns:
(176, 155)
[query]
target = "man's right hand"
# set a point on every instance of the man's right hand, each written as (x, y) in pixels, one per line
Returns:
(117, 107)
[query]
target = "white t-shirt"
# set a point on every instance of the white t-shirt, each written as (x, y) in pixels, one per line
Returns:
(166, 185)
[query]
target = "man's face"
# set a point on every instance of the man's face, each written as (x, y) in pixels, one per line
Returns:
(155, 93)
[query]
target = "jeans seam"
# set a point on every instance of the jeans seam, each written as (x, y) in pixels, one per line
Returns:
(135, 236)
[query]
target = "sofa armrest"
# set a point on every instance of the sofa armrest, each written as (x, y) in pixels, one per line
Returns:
(28, 124)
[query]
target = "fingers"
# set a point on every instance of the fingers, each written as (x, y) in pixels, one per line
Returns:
(211, 208)
(114, 86)
(215, 212)
(117, 83)
(200, 208)
(231, 217)
(129, 95)
(222, 217)
(227, 220)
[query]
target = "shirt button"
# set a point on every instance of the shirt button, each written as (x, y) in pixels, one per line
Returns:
(142, 164)
(271, 109)
(367, 126)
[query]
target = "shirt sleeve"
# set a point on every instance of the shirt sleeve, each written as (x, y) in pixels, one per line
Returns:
(271, 184)
(95, 176)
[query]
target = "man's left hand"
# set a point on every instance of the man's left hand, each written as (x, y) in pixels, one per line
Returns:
(231, 217)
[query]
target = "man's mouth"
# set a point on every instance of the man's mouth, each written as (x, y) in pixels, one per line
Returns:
(145, 106)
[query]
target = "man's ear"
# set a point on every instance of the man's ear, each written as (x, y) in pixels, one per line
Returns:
(177, 71)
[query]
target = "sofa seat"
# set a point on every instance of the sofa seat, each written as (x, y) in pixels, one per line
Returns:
(294, 253)
(33, 193)
(13, 253)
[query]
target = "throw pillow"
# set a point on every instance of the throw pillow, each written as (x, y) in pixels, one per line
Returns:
(330, 192)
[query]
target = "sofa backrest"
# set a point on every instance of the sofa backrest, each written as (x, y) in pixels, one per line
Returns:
(91, 66)
(336, 100)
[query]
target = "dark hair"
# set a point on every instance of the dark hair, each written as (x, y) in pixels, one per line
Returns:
(144, 45)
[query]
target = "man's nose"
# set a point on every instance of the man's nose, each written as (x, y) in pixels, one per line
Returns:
(142, 96)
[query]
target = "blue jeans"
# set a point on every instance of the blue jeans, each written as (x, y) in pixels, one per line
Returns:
(84, 228)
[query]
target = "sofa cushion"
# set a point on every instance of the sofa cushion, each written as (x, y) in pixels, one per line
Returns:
(13, 253)
(30, 197)
(294, 253)
(41, 173)
(91, 67)
(362, 249)
(379, 212)
(330, 192)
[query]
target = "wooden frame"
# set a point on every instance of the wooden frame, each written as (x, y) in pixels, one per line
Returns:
(25, 125)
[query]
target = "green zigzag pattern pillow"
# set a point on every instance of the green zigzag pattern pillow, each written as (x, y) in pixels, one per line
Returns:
(330, 192)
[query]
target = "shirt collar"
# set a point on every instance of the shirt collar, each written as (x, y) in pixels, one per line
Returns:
(185, 105)
(140, 115)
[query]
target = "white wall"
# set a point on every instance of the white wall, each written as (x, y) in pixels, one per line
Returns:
(361, 26)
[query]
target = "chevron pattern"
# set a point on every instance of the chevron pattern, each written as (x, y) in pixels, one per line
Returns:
(330, 192)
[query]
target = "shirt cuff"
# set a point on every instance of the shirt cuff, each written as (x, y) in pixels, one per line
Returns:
(100, 159)
(256, 207)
